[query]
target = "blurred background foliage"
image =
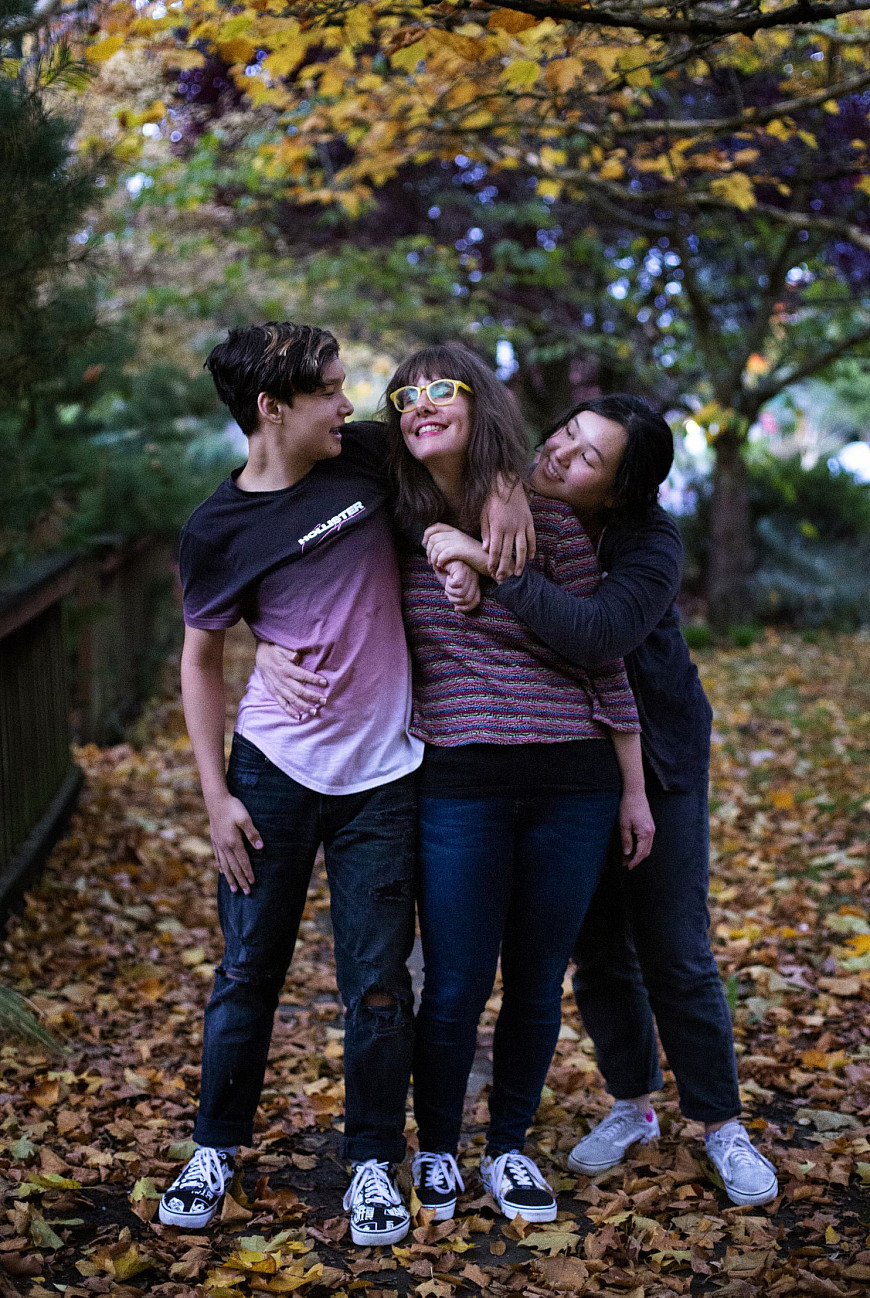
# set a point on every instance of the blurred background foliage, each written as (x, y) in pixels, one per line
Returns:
(148, 222)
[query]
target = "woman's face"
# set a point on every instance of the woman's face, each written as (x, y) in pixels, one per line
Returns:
(579, 463)
(437, 436)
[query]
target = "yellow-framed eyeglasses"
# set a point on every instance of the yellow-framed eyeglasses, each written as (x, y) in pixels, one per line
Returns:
(440, 392)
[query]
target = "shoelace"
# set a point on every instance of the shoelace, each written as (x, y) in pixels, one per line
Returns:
(617, 1119)
(735, 1148)
(372, 1184)
(441, 1171)
(204, 1169)
(521, 1170)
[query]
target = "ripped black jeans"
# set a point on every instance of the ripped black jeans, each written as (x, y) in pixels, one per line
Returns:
(368, 841)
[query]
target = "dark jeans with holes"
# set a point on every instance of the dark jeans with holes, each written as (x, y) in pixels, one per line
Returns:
(368, 842)
(644, 959)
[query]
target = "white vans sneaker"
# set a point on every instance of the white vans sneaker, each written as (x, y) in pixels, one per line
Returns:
(437, 1179)
(748, 1177)
(195, 1195)
(606, 1144)
(517, 1186)
(377, 1213)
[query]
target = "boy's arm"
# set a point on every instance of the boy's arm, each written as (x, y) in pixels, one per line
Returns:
(202, 693)
(636, 826)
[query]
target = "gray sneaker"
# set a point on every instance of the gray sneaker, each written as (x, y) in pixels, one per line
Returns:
(748, 1177)
(606, 1144)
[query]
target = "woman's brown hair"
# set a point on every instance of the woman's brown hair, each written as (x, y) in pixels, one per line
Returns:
(497, 446)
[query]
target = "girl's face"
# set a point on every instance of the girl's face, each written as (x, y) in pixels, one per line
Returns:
(437, 435)
(580, 462)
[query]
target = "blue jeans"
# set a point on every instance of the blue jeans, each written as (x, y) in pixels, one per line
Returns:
(368, 841)
(644, 958)
(509, 873)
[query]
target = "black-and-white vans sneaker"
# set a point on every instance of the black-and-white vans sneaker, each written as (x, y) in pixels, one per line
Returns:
(195, 1195)
(377, 1213)
(437, 1179)
(517, 1186)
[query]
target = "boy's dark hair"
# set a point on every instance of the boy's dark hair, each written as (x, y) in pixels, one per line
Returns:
(649, 451)
(280, 359)
(497, 445)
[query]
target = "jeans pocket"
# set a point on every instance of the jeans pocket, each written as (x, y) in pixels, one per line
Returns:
(246, 765)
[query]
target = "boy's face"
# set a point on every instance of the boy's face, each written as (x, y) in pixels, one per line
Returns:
(315, 419)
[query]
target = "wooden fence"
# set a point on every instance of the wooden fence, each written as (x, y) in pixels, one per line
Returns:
(81, 638)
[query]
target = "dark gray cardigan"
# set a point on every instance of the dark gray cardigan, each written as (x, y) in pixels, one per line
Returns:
(633, 615)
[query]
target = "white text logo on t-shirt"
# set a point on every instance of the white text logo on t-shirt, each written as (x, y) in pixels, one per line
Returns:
(332, 524)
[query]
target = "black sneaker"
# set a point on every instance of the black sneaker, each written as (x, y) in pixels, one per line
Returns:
(377, 1213)
(195, 1195)
(517, 1186)
(436, 1180)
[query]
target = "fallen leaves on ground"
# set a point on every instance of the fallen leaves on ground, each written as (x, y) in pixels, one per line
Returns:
(116, 949)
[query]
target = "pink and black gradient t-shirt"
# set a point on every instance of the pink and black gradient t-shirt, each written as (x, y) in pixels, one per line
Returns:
(313, 568)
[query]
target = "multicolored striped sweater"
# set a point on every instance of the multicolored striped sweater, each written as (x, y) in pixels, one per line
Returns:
(485, 678)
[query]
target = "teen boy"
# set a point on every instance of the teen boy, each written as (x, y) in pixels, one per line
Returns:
(298, 544)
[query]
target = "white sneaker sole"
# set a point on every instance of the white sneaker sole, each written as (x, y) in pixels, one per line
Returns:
(186, 1220)
(372, 1239)
(443, 1212)
(592, 1169)
(528, 1214)
(752, 1200)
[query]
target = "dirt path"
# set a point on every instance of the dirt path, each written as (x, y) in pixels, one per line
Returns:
(116, 949)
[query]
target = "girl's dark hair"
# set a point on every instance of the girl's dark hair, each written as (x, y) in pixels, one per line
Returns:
(649, 451)
(497, 445)
(278, 358)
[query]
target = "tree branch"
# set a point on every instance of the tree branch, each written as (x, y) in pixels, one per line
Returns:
(687, 199)
(766, 391)
(736, 122)
(801, 13)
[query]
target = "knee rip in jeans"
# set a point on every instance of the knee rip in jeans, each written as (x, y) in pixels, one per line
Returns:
(253, 977)
(395, 890)
(387, 1009)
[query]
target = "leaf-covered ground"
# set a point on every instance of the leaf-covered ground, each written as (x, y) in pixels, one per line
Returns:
(116, 949)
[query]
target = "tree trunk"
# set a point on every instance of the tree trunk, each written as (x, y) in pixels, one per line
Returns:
(730, 560)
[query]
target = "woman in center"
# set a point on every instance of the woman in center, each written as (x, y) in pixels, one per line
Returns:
(529, 762)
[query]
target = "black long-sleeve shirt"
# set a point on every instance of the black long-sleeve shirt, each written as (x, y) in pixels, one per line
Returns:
(632, 615)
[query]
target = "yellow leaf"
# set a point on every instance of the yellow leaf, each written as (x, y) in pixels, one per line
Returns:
(549, 188)
(521, 74)
(612, 170)
(240, 49)
(508, 20)
(831, 106)
(782, 799)
(178, 59)
(409, 56)
(736, 189)
(633, 63)
(104, 49)
(281, 62)
(551, 158)
(808, 139)
(779, 130)
(860, 943)
(563, 74)
(358, 24)
(156, 112)
(864, 184)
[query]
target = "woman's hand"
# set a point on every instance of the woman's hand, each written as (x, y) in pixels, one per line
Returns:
(229, 825)
(462, 586)
(636, 828)
(445, 545)
(296, 689)
(507, 529)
